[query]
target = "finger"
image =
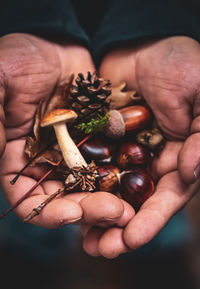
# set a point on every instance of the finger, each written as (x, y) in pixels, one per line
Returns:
(122, 221)
(189, 159)
(108, 243)
(14, 159)
(57, 213)
(101, 207)
(85, 229)
(167, 159)
(111, 243)
(170, 196)
(91, 241)
(127, 215)
(2, 120)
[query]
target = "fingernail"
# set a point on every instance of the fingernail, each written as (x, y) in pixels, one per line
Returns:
(106, 222)
(197, 172)
(67, 222)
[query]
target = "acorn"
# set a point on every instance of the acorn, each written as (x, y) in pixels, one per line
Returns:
(127, 119)
(108, 179)
(131, 153)
(136, 186)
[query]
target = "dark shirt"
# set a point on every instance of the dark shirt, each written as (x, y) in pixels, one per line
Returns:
(99, 25)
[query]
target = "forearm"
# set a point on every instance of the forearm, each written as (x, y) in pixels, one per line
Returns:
(128, 20)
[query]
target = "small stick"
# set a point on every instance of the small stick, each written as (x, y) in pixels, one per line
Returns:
(13, 181)
(84, 140)
(6, 212)
(26, 194)
(37, 210)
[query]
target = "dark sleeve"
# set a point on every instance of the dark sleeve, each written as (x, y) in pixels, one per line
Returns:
(135, 19)
(41, 17)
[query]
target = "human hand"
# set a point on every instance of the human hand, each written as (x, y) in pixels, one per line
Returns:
(170, 195)
(165, 73)
(30, 68)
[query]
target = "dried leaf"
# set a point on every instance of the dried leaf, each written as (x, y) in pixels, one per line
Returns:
(36, 127)
(52, 157)
(37, 142)
(60, 97)
(120, 98)
(40, 142)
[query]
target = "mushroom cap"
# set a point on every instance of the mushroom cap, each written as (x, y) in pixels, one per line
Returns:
(58, 115)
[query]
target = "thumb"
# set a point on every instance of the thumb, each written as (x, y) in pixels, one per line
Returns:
(2, 120)
(189, 156)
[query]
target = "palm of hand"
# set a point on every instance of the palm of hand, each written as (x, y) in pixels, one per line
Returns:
(165, 72)
(30, 69)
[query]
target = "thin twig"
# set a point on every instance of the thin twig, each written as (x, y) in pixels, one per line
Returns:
(6, 212)
(13, 181)
(26, 194)
(37, 210)
(84, 140)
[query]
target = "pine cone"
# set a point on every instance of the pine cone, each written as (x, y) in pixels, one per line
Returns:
(89, 96)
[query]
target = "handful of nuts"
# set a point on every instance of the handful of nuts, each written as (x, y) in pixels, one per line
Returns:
(93, 143)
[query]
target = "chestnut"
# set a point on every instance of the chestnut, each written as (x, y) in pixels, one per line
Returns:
(127, 119)
(131, 153)
(98, 148)
(152, 138)
(108, 179)
(136, 186)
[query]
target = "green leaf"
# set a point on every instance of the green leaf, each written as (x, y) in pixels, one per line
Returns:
(94, 125)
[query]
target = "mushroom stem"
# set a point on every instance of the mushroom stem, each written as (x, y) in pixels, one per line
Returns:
(71, 153)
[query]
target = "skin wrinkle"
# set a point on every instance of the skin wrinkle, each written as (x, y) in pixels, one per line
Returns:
(196, 103)
(167, 84)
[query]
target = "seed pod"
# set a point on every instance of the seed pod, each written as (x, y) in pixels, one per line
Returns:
(136, 186)
(151, 138)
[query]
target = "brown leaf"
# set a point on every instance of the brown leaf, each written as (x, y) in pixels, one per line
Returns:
(60, 97)
(120, 98)
(52, 157)
(38, 115)
(37, 143)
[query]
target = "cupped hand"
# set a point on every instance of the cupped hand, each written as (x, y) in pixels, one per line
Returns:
(166, 73)
(171, 194)
(30, 68)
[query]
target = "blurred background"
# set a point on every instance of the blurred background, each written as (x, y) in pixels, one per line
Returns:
(32, 257)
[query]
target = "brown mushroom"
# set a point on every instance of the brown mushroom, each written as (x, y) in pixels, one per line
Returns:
(58, 119)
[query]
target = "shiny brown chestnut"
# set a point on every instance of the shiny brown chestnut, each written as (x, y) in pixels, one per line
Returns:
(136, 186)
(98, 148)
(127, 119)
(108, 180)
(131, 153)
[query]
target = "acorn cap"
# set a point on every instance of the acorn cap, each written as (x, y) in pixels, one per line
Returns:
(58, 115)
(115, 127)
